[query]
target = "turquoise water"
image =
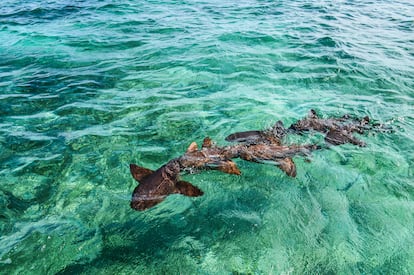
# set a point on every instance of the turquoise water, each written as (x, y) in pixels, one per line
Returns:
(87, 87)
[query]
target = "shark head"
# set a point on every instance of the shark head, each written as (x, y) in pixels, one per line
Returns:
(155, 186)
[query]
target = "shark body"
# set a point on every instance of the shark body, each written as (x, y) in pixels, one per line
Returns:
(337, 130)
(260, 146)
(155, 186)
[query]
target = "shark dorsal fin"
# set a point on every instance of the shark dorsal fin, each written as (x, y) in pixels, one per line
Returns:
(278, 130)
(279, 124)
(138, 172)
(187, 189)
(193, 147)
(207, 143)
(365, 120)
(312, 114)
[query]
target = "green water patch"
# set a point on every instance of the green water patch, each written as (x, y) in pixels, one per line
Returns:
(88, 88)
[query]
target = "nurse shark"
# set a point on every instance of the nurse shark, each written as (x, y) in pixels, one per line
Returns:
(260, 146)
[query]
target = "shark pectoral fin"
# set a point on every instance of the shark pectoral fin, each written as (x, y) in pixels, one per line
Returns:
(288, 166)
(229, 167)
(279, 127)
(187, 189)
(138, 172)
(145, 203)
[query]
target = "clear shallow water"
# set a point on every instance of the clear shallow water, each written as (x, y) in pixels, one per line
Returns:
(86, 87)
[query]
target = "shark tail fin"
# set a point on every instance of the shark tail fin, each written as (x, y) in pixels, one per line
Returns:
(278, 130)
(244, 136)
(187, 189)
(138, 172)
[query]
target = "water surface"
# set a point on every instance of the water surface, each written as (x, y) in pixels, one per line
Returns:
(87, 87)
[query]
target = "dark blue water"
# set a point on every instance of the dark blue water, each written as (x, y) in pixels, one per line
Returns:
(87, 87)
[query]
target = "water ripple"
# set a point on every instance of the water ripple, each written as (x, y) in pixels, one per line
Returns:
(87, 87)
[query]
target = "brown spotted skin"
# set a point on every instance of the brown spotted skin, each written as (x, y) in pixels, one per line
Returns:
(248, 136)
(258, 147)
(255, 146)
(342, 136)
(281, 155)
(155, 186)
(337, 130)
(229, 167)
(273, 135)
